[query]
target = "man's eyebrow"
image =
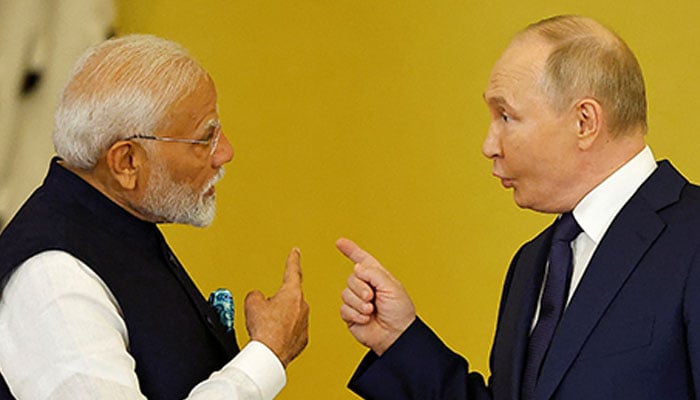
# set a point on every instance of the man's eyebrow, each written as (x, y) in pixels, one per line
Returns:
(495, 100)
(212, 123)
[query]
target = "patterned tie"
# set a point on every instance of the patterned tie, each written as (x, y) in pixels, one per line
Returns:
(554, 296)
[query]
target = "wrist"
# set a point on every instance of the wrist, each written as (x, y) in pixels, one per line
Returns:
(392, 337)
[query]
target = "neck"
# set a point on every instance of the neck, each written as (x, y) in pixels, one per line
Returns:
(601, 161)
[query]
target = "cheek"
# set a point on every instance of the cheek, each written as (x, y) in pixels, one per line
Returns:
(188, 172)
(520, 140)
(519, 155)
(536, 155)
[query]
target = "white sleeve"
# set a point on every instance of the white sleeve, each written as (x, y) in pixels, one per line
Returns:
(63, 337)
(255, 373)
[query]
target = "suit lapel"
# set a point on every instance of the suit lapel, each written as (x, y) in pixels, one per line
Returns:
(629, 237)
(518, 308)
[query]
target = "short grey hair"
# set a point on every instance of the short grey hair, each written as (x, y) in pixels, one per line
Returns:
(589, 59)
(120, 88)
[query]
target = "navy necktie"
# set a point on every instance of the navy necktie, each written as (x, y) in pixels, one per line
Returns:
(553, 301)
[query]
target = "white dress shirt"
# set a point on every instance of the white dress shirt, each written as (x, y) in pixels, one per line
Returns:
(597, 210)
(64, 337)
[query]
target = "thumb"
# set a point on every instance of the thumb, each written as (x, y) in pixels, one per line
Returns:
(375, 276)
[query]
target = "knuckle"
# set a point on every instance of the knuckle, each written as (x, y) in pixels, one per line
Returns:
(254, 297)
(345, 312)
(351, 279)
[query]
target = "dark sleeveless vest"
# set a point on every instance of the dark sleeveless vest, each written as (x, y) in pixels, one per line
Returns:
(174, 335)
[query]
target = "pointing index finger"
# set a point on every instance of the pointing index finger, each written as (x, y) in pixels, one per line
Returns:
(354, 252)
(292, 273)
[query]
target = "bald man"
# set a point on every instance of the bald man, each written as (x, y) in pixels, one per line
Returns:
(603, 304)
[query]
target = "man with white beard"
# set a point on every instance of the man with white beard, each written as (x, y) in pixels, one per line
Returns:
(93, 303)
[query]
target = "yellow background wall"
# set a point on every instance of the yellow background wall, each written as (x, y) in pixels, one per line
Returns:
(365, 119)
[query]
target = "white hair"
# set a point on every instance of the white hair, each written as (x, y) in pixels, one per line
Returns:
(120, 88)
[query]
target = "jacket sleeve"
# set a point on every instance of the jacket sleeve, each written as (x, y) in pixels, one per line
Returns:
(417, 366)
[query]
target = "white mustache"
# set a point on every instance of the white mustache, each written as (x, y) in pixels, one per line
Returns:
(216, 178)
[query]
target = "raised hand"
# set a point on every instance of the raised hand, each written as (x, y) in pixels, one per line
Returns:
(281, 322)
(375, 307)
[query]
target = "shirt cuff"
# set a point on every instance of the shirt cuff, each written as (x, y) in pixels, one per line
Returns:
(263, 367)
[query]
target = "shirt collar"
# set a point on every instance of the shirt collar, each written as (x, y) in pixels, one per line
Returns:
(596, 211)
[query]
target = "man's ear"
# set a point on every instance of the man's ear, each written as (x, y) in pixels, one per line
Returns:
(125, 161)
(589, 117)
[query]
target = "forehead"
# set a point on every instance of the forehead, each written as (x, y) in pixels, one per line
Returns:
(201, 100)
(520, 69)
(202, 95)
(189, 113)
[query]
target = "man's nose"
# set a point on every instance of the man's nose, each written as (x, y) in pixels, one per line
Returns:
(491, 148)
(223, 152)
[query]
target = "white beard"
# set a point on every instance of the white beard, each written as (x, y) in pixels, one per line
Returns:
(167, 201)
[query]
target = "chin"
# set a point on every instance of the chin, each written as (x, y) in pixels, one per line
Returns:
(528, 204)
(519, 200)
(204, 213)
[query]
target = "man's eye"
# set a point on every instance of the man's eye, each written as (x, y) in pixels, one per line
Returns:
(211, 135)
(505, 117)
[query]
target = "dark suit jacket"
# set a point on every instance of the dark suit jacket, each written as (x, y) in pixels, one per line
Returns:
(631, 330)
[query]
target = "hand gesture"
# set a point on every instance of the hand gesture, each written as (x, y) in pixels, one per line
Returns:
(375, 307)
(281, 322)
